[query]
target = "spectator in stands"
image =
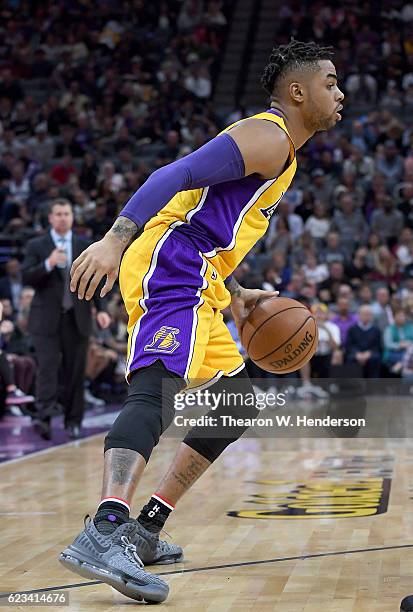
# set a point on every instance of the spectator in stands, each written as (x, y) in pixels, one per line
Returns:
(403, 250)
(22, 319)
(390, 164)
(345, 290)
(305, 208)
(170, 150)
(364, 294)
(335, 278)
(363, 345)
(362, 88)
(17, 348)
(382, 312)
(198, 80)
(333, 250)
(62, 171)
(313, 270)
(101, 221)
(397, 337)
(387, 222)
(281, 237)
(17, 194)
(373, 244)
(277, 275)
(349, 223)
(404, 195)
(329, 341)
(7, 309)
(359, 163)
(41, 145)
(386, 268)
(407, 365)
(10, 87)
(286, 210)
(302, 248)
(9, 143)
(358, 269)
(293, 288)
(16, 399)
(39, 194)
(11, 284)
(344, 318)
(321, 187)
(318, 224)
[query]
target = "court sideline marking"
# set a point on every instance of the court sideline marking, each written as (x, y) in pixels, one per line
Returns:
(223, 566)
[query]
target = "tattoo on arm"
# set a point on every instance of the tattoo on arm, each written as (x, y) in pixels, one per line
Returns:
(124, 230)
(234, 287)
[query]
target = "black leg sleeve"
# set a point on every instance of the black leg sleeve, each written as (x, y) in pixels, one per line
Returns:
(148, 410)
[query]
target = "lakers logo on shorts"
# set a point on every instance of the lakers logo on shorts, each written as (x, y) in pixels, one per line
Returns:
(164, 340)
(268, 212)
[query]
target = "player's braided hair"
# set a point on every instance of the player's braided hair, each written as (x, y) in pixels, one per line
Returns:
(294, 56)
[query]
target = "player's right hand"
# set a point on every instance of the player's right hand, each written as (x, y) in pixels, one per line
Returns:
(100, 259)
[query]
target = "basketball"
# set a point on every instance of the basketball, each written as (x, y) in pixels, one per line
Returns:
(280, 335)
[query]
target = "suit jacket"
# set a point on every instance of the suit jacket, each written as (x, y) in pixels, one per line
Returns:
(46, 308)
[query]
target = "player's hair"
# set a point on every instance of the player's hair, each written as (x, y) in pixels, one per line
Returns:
(293, 56)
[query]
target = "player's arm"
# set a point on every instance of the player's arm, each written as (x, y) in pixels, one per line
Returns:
(255, 146)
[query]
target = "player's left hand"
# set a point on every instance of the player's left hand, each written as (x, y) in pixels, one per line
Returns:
(103, 319)
(243, 304)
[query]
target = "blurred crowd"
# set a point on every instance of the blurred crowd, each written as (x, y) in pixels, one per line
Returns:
(95, 96)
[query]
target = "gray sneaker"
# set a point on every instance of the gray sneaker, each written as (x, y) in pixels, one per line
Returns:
(114, 560)
(152, 550)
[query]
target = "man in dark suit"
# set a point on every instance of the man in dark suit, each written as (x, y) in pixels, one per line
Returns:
(364, 345)
(59, 322)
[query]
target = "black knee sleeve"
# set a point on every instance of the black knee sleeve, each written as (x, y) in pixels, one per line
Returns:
(147, 411)
(210, 442)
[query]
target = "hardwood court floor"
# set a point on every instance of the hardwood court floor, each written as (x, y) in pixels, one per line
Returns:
(44, 498)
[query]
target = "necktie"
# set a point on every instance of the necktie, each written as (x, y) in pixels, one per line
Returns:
(67, 299)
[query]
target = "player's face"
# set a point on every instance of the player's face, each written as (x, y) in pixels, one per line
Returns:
(324, 101)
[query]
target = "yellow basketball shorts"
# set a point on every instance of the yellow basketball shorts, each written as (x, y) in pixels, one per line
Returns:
(174, 297)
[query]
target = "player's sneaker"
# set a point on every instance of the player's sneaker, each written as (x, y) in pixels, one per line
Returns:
(407, 604)
(113, 559)
(152, 550)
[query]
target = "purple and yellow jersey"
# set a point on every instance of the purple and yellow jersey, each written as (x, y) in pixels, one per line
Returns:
(172, 276)
(224, 221)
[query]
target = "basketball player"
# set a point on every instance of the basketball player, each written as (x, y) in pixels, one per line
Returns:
(200, 216)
